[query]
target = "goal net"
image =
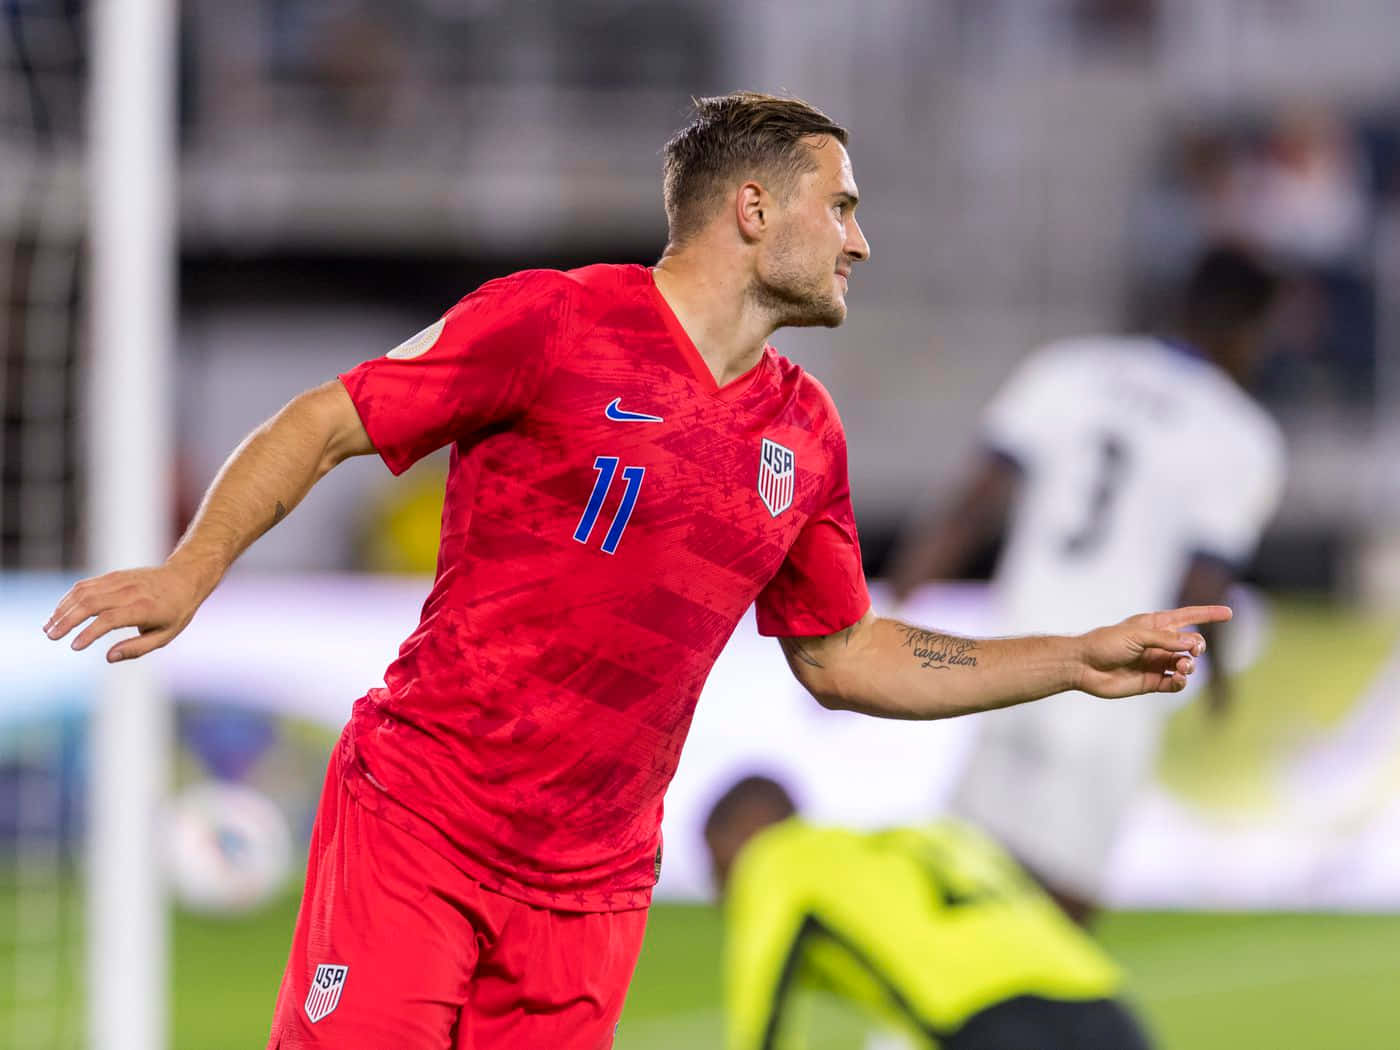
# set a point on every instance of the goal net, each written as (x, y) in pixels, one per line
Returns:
(84, 190)
(42, 235)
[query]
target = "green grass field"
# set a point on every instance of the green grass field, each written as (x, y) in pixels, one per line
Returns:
(1204, 982)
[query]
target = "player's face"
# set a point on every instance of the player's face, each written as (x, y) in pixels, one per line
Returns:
(804, 271)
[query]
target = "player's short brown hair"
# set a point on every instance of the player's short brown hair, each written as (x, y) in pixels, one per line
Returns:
(753, 792)
(730, 137)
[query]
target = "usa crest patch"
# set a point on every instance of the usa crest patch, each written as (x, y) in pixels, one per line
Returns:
(777, 476)
(326, 987)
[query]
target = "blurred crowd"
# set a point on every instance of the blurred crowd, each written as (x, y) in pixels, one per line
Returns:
(1304, 185)
(375, 71)
(426, 144)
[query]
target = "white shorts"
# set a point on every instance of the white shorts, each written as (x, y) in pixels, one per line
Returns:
(1053, 781)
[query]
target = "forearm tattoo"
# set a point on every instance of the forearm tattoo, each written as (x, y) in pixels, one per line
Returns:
(795, 650)
(938, 651)
(278, 514)
(800, 649)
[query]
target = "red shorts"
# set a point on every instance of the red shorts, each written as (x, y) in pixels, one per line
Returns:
(396, 949)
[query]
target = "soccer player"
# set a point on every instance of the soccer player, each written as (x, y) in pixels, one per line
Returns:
(1081, 453)
(931, 930)
(632, 467)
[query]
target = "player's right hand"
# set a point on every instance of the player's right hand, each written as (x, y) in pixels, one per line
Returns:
(158, 601)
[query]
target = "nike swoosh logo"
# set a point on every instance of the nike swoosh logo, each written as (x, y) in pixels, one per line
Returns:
(618, 415)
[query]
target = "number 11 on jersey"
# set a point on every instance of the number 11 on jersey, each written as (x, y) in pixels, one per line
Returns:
(606, 466)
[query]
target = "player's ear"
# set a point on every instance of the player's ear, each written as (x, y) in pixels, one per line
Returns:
(751, 206)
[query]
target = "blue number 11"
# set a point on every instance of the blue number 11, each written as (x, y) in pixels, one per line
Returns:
(606, 466)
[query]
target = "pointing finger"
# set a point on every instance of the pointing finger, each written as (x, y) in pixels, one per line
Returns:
(1193, 614)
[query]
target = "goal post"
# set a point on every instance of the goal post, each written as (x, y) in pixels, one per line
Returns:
(132, 195)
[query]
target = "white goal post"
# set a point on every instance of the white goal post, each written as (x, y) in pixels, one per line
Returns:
(132, 196)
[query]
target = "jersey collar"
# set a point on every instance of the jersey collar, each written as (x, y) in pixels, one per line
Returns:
(732, 390)
(1181, 346)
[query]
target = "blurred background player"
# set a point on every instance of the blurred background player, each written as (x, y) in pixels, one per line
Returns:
(1077, 461)
(932, 930)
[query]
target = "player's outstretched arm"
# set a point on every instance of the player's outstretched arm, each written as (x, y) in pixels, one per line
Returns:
(895, 670)
(267, 476)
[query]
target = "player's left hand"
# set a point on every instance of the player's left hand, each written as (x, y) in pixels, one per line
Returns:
(1150, 653)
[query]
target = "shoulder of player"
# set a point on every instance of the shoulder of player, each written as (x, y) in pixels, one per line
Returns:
(960, 836)
(1081, 347)
(1265, 438)
(1257, 418)
(1063, 360)
(1242, 421)
(774, 849)
(525, 290)
(794, 853)
(597, 283)
(602, 285)
(1096, 352)
(1227, 418)
(569, 298)
(807, 389)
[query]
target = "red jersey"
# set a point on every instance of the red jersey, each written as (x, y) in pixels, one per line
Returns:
(610, 515)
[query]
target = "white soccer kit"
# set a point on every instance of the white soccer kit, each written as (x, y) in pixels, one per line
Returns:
(1106, 523)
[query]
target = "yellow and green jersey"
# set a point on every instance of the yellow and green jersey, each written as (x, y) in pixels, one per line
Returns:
(922, 926)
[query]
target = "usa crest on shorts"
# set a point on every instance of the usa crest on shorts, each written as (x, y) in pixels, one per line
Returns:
(326, 987)
(777, 476)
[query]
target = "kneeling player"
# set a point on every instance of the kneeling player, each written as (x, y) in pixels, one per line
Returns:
(932, 929)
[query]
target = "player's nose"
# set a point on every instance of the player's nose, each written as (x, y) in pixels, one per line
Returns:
(856, 246)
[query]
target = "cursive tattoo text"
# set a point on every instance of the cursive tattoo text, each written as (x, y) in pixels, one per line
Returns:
(938, 651)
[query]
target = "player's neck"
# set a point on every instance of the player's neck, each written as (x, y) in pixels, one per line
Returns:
(713, 307)
(1223, 355)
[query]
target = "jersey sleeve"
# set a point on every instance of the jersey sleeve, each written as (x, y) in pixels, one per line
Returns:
(764, 923)
(1234, 500)
(480, 365)
(1026, 407)
(820, 587)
